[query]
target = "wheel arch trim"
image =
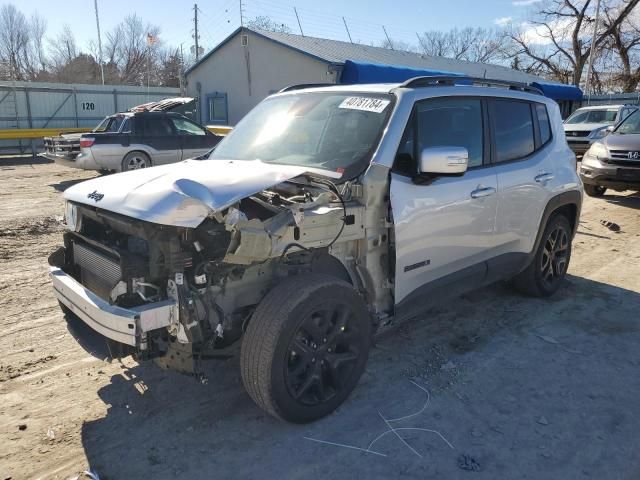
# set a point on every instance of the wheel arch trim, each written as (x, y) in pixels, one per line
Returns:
(571, 199)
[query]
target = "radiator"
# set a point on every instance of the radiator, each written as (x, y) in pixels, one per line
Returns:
(99, 273)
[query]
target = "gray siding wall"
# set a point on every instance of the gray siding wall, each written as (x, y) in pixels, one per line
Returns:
(271, 68)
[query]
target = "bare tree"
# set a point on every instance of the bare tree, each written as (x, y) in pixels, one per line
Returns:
(625, 42)
(133, 47)
(14, 40)
(435, 43)
(558, 39)
(63, 47)
(37, 31)
(263, 22)
(488, 46)
(471, 44)
(397, 45)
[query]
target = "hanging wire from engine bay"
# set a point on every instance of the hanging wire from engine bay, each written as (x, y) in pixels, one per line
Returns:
(331, 187)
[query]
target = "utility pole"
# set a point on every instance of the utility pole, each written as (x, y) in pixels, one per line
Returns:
(196, 37)
(388, 39)
(347, 29)
(95, 4)
(241, 14)
(587, 84)
(298, 18)
(181, 72)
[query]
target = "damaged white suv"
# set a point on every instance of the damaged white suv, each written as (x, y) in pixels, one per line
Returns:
(327, 215)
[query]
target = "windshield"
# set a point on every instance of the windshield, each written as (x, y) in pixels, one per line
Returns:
(593, 116)
(110, 124)
(331, 131)
(630, 125)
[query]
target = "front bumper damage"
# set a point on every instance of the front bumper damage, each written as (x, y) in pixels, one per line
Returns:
(129, 326)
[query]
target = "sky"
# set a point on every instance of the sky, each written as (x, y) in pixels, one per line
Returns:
(218, 18)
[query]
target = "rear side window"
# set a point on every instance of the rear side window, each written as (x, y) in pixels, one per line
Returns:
(513, 129)
(156, 126)
(543, 122)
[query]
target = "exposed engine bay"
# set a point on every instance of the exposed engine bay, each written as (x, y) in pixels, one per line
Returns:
(219, 271)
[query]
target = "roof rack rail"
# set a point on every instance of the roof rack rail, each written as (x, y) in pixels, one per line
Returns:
(450, 80)
(305, 85)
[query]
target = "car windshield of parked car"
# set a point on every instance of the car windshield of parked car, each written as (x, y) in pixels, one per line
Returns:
(110, 124)
(631, 125)
(330, 131)
(592, 116)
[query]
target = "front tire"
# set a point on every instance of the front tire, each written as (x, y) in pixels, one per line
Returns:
(135, 161)
(548, 269)
(306, 347)
(594, 190)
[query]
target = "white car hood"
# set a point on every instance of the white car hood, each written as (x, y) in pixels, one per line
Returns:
(183, 194)
(584, 127)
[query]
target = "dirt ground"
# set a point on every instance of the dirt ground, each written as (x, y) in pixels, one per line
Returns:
(502, 386)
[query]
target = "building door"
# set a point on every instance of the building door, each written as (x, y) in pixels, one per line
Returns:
(216, 109)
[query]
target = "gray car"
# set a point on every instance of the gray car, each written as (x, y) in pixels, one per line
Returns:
(614, 162)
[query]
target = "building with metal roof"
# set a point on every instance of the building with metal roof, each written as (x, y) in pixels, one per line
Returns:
(251, 64)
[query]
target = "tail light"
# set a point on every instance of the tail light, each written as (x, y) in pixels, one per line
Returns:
(86, 142)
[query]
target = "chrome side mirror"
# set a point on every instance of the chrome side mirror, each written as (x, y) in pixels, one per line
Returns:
(444, 160)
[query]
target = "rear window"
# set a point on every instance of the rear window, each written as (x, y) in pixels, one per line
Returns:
(110, 124)
(513, 129)
(543, 122)
(156, 126)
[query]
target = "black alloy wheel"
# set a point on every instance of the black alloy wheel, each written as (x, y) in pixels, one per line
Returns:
(323, 354)
(555, 256)
(305, 347)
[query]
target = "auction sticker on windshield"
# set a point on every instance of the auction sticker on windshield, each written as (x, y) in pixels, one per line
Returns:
(366, 104)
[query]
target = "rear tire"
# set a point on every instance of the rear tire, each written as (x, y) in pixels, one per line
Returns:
(305, 347)
(594, 190)
(135, 161)
(548, 269)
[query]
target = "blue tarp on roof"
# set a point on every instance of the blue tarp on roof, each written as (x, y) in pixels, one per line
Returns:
(359, 72)
(559, 91)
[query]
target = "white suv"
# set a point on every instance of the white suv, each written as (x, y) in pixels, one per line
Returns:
(589, 124)
(328, 215)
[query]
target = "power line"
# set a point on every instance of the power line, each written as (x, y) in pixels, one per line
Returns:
(323, 24)
(214, 30)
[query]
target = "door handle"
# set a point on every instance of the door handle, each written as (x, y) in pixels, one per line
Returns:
(483, 192)
(544, 177)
